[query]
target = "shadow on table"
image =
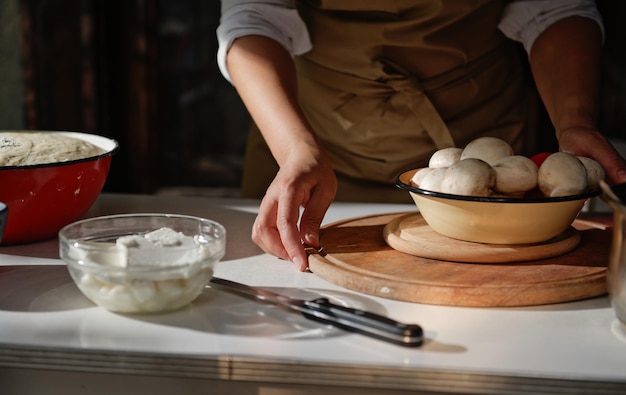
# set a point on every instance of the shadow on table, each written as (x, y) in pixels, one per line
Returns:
(49, 288)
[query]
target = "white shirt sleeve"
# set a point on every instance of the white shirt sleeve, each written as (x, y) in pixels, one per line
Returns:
(525, 20)
(522, 21)
(275, 19)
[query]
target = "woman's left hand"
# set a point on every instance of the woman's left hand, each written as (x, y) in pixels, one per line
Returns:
(592, 144)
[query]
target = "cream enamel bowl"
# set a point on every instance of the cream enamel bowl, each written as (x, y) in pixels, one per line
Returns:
(495, 220)
(142, 263)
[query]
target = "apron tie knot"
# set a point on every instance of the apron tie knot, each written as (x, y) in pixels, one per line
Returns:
(403, 82)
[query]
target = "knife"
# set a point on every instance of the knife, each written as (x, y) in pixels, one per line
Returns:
(346, 318)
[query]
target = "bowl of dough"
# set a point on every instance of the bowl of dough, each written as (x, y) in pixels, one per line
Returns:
(50, 179)
(485, 193)
(142, 263)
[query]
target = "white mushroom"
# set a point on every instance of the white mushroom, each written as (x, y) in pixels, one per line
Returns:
(419, 175)
(432, 179)
(562, 174)
(488, 149)
(445, 157)
(470, 177)
(515, 175)
(595, 172)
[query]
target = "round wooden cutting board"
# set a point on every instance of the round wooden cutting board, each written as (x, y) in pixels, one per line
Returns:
(411, 234)
(358, 258)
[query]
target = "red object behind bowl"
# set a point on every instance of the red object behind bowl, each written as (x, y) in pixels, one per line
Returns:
(42, 199)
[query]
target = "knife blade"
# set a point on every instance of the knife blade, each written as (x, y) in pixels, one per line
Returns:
(346, 318)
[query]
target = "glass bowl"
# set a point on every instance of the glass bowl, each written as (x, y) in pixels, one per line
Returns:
(495, 220)
(142, 263)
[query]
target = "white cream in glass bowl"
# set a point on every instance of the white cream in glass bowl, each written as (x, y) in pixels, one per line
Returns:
(142, 263)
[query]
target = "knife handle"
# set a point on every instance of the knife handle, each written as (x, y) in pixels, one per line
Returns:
(364, 322)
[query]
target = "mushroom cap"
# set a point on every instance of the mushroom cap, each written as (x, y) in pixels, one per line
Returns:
(595, 172)
(469, 177)
(431, 181)
(562, 174)
(419, 176)
(488, 149)
(515, 174)
(445, 157)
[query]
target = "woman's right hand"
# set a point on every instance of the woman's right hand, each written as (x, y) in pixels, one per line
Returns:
(265, 77)
(305, 180)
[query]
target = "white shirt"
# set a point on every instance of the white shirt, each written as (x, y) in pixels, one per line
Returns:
(522, 21)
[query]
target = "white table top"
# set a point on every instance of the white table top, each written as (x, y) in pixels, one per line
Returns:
(45, 321)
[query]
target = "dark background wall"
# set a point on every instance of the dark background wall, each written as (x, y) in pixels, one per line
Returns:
(143, 73)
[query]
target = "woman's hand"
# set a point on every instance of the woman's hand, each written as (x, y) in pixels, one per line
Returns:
(565, 61)
(590, 143)
(306, 181)
(265, 77)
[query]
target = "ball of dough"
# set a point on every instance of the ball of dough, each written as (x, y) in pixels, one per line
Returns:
(562, 174)
(595, 172)
(515, 174)
(445, 157)
(470, 177)
(488, 149)
(35, 148)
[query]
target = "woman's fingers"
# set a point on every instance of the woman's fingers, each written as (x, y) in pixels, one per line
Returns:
(592, 144)
(275, 229)
(287, 224)
(304, 182)
(315, 210)
(264, 230)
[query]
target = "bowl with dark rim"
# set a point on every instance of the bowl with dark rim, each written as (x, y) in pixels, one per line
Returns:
(42, 198)
(532, 218)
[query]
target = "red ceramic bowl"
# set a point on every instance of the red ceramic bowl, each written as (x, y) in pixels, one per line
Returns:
(41, 199)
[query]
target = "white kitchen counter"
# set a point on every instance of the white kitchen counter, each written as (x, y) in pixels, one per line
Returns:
(53, 340)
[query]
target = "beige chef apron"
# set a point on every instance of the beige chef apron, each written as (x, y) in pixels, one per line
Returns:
(387, 83)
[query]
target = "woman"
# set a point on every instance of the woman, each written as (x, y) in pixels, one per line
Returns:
(346, 94)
